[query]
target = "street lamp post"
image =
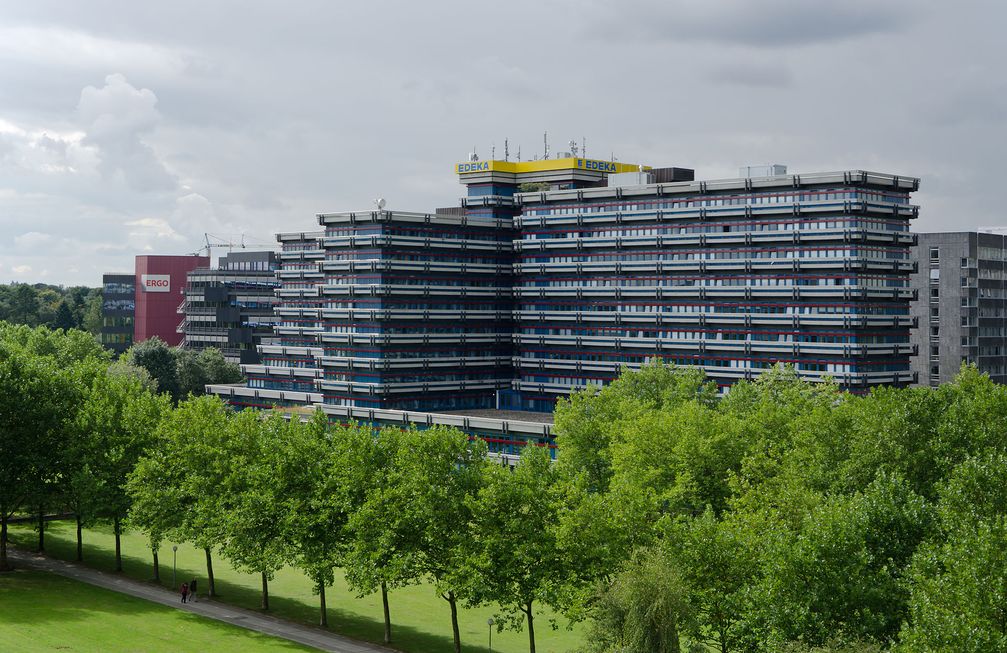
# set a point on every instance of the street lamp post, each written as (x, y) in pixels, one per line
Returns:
(174, 558)
(490, 622)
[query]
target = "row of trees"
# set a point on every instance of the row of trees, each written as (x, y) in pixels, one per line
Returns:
(785, 516)
(81, 434)
(399, 509)
(788, 516)
(57, 307)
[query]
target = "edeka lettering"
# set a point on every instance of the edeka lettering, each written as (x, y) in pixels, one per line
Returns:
(481, 166)
(591, 164)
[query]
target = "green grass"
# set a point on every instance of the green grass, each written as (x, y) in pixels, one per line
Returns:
(44, 612)
(421, 622)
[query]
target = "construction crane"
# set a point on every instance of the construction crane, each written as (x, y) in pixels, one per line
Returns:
(218, 242)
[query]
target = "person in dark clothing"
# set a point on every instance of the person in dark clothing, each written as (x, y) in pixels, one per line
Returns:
(192, 590)
(185, 591)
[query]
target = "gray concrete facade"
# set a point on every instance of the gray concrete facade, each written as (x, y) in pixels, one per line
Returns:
(960, 310)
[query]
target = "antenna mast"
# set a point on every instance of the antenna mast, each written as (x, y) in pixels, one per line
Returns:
(506, 150)
(545, 141)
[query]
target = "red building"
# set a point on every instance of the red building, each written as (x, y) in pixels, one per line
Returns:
(160, 289)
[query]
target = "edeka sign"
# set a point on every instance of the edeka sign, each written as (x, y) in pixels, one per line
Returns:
(600, 166)
(480, 166)
(155, 282)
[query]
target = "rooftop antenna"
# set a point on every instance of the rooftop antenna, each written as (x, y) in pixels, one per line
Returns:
(506, 150)
(519, 153)
(493, 151)
(545, 141)
(380, 203)
(583, 146)
(573, 148)
(472, 155)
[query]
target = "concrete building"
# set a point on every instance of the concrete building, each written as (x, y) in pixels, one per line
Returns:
(557, 273)
(961, 309)
(230, 307)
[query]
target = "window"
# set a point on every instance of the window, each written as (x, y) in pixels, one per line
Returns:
(965, 281)
(935, 293)
(935, 254)
(935, 332)
(935, 274)
(965, 262)
(935, 351)
(935, 370)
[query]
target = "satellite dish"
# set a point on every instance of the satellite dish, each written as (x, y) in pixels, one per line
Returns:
(380, 203)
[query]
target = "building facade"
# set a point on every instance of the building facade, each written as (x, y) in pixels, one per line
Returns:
(231, 307)
(555, 274)
(160, 285)
(118, 309)
(732, 276)
(961, 309)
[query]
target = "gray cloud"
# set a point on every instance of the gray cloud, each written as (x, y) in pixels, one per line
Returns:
(146, 124)
(753, 75)
(764, 24)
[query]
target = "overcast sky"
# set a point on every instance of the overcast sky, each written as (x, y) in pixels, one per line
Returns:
(135, 127)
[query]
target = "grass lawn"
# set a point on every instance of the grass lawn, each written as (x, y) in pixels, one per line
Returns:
(421, 622)
(44, 612)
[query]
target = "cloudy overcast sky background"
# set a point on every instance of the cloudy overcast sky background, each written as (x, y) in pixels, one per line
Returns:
(135, 127)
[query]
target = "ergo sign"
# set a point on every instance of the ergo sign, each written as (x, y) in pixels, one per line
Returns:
(155, 282)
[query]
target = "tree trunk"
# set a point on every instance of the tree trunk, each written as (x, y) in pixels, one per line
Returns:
(531, 628)
(265, 592)
(3, 543)
(157, 567)
(80, 540)
(388, 617)
(118, 544)
(41, 529)
(453, 602)
(323, 618)
(210, 591)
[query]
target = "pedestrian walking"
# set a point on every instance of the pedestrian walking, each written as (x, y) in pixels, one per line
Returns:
(192, 590)
(185, 591)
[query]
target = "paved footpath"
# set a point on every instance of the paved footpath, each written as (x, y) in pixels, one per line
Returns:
(252, 620)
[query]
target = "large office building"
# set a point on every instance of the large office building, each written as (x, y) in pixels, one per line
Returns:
(230, 307)
(147, 303)
(961, 309)
(555, 274)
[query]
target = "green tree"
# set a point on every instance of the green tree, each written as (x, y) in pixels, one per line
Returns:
(190, 374)
(217, 369)
(516, 561)
(155, 356)
(584, 423)
(641, 609)
(372, 561)
(117, 418)
(172, 487)
(91, 319)
(35, 395)
(424, 514)
(63, 319)
(250, 498)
